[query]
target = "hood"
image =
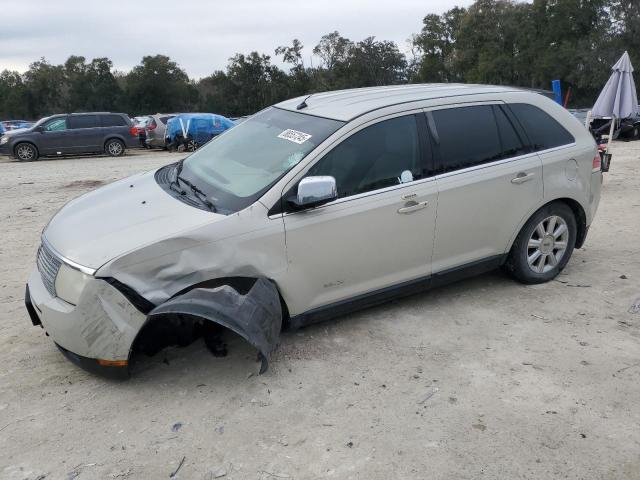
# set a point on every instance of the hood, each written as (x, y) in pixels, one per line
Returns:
(119, 218)
(15, 131)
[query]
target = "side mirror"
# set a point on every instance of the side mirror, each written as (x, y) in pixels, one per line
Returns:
(315, 191)
(39, 129)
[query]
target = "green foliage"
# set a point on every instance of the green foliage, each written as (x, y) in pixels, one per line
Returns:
(528, 44)
(504, 42)
(158, 84)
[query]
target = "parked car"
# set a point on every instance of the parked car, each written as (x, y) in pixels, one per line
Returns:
(580, 114)
(626, 129)
(156, 130)
(314, 208)
(140, 124)
(189, 131)
(16, 124)
(73, 133)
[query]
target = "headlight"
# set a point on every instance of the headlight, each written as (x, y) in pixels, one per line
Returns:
(70, 283)
(4, 140)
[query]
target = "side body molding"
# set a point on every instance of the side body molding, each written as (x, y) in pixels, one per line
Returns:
(256, 316)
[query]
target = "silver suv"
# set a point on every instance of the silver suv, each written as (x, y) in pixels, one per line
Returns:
(313, 208)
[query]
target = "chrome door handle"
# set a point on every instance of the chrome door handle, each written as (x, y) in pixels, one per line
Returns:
(523, 177)
(413, 207)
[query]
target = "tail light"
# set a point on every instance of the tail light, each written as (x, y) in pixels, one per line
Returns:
(151, 127)
(597, 163)
(133, 131)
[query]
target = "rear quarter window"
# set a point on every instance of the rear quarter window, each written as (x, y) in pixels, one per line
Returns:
(113, 121)
(542, 129)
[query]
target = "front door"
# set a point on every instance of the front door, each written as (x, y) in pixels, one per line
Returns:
(489, 182)
(55, 138)
(379, 232)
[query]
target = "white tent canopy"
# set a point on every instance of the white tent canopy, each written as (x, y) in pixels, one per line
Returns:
(618, 99)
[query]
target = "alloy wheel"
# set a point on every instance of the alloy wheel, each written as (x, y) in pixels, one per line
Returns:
(115, 148)
(25, 152)
(547, 244)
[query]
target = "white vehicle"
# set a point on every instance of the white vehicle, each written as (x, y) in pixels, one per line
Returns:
(312, 208)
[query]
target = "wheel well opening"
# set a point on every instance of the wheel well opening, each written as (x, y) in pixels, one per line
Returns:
(112, 138)
(15, 147)
(182, 327)
(164, 331)
(581, 219)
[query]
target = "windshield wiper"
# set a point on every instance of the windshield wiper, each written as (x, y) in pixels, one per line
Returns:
(199, 194)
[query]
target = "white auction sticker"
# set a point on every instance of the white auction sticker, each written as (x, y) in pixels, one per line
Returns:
(294, 136)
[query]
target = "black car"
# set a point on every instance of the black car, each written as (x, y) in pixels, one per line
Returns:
(74, 133)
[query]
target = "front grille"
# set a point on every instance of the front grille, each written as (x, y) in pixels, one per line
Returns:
(48, 266)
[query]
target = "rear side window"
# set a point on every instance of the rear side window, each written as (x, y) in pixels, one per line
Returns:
(83, 121)
(382, 155)
(512, 144)
(467, 136)
(543, 130)
(113, 121)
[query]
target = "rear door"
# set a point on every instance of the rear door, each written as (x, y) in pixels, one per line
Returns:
(85, 134)
(56, 137)
(118, 126)
(489, 180)
(379, 232)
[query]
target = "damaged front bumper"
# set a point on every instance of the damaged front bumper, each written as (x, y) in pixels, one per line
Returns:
(97, 333)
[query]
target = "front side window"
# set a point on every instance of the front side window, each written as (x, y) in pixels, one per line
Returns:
(543, 131)
(238, 166)
(56, 125)
(466, 136)
(379, 156)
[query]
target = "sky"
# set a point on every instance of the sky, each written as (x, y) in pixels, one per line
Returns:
(200, 35)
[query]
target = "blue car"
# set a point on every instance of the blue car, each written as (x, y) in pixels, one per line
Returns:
(189, 131)
(9, 125)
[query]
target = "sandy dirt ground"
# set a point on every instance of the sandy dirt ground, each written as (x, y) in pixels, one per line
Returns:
(485, 378)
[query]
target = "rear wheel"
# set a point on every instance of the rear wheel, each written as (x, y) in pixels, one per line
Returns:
(544, 245)
(26, 152)
(114, 147)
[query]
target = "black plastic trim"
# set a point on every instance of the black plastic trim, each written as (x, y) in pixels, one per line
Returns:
(91, 365)
(35, 319)
(142, 304)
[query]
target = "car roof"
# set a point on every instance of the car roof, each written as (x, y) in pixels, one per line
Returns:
(345, 105)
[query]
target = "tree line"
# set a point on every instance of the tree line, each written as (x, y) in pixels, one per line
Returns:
(504, 42)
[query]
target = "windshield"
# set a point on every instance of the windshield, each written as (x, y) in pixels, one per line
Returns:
(236, 168)
(40, 122)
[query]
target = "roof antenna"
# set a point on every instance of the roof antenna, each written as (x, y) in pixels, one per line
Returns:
(303, 104)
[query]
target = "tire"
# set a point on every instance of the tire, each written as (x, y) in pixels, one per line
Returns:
(25, 152)
(114, 148)
(543, 247)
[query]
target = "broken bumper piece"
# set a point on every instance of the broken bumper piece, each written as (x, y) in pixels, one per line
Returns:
(255, 315)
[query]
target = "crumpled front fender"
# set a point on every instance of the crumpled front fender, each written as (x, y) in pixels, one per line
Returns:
(256, 315)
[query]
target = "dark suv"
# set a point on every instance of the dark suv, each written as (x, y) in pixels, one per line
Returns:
(73, 133)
